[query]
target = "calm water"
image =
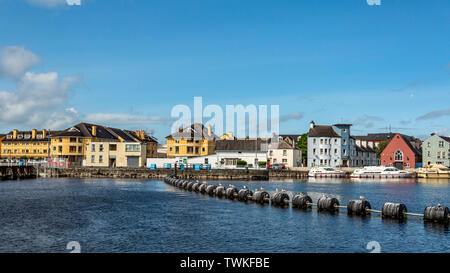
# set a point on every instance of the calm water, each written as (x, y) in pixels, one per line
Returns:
(119, 215)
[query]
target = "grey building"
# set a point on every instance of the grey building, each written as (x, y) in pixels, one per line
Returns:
(436, 150)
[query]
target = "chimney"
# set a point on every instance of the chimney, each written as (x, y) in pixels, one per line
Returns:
(312, 124)
(94, 130)
(209, 130)
(44, 133)
(33, 134)
(142, 134)
(14, 133)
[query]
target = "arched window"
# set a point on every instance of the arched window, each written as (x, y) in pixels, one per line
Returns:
(398, 156)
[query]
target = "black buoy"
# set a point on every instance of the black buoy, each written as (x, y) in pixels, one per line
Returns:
(326, 203)
(244, 194)
(301, 201)
(189, 186)
(220, 190)
(202, 188)
(195, 186)
(358, 207)
(394, 210)
(211, 189)
(260, 196)
(184, 184)
(229, 193)
(278, 199)
(436, 214)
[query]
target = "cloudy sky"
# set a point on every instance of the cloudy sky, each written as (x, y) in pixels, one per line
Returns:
(126, 63)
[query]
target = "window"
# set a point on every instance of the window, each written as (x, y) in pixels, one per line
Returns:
(314, 151)
(133, 148)
(428, 144)
(284, 152)
(113, 147)
(271, 153)
(101, 147)
(321, 141)
(93, 148)
(398, 156)
(345, 152)
(314, 141)
(203, 149)
(196, 150)
(100, 159)
(335, 151)
(177, 149)
(93, 159)
(60, 149)
(441, 144)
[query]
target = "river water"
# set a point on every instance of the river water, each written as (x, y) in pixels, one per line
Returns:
(125, 215)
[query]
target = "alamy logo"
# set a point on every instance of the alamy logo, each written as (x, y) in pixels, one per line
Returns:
(373, 2)
(251, 120)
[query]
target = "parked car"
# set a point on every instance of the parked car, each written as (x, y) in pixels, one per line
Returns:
(276, 166)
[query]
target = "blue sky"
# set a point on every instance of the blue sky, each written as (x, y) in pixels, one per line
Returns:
(126, 63)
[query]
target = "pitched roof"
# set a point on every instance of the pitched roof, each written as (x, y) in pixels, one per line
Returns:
(195, 131)
(410, 141)
(445, 138)
(322, 131)
(383, 137)
(241, 145)
(85, 130)
(26, 135)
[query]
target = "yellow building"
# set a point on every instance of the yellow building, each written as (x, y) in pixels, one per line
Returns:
(32, 144)
(195, 140)
(73, 143)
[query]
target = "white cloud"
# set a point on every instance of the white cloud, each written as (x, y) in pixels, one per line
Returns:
(41, 100)
(37, 100)
(14, 61)
(125, 119)
(54, 3)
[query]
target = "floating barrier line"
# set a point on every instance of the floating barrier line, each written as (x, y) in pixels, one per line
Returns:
(360, 207)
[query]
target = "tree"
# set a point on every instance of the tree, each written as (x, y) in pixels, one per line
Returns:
(381, 147)
(303, 145)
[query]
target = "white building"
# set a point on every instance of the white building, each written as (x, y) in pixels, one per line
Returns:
(227, 154)
(365, 152)
(324, 146)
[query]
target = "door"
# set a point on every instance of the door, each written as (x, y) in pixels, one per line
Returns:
(132, 161)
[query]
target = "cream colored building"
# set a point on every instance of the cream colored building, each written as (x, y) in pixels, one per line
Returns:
(116, 154)
(284, 153)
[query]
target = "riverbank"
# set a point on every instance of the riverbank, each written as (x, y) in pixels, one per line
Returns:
(145, 173)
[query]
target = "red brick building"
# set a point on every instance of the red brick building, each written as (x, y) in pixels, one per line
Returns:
(401, 153)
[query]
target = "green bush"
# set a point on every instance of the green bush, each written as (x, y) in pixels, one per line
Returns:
(262, 164)
(241, 162)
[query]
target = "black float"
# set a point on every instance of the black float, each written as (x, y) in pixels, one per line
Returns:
(439, 214)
